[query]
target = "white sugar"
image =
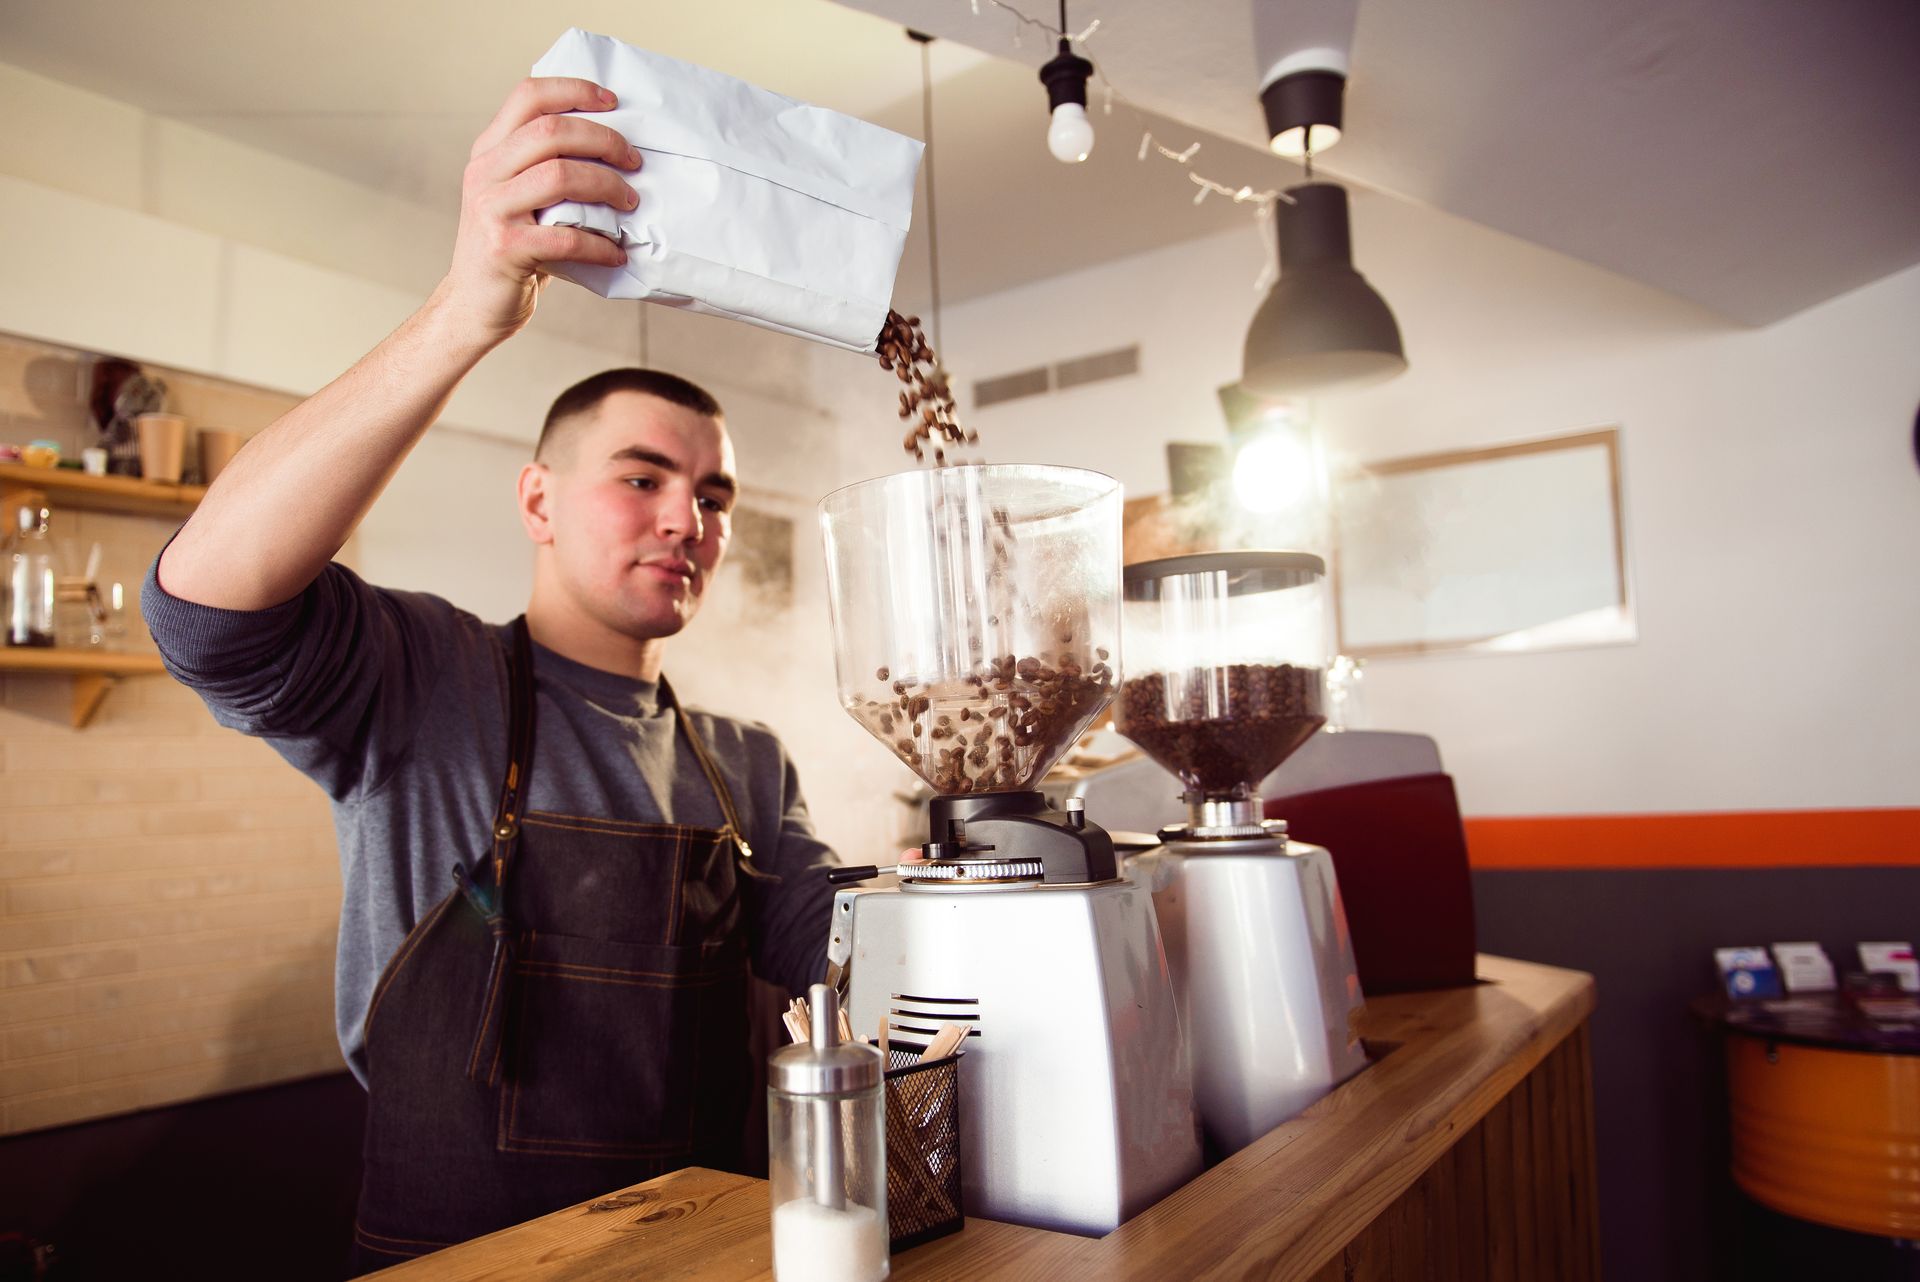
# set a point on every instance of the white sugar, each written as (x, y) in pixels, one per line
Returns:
(815, 1243)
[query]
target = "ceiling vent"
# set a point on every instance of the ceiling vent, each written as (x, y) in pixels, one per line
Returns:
(1118, 363)
(1011, 387)
(1078, 372)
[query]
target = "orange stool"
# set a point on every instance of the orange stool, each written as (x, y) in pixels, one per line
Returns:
(1827, 1132)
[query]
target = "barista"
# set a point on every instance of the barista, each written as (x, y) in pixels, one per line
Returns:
(557, 878)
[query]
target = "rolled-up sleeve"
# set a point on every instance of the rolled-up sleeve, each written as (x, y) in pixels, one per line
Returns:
(336, 679)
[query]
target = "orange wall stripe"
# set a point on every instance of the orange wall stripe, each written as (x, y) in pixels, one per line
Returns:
(1723, 839)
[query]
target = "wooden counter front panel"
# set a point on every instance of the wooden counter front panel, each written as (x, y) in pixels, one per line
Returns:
(1465, 1153)
(1512, 1200)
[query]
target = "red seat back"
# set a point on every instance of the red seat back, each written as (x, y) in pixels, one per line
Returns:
(1400, 854)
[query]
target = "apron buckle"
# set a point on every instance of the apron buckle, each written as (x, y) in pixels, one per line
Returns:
(748, 869)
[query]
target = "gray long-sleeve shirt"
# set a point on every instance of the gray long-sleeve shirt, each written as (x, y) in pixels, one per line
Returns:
(396, 704)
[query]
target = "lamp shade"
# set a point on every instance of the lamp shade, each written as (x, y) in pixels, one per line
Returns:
(1322, 326)
(1304, 110)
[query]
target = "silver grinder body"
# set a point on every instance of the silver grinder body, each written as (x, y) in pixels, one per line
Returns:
(1263, 973)
(1076, 1108)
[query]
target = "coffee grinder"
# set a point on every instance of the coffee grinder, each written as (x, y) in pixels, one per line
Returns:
(1222, 681)
(976, 616)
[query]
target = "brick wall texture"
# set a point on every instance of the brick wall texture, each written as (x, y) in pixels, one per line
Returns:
(169, 890)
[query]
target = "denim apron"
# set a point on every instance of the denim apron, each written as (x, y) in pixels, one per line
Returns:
(570, 1019)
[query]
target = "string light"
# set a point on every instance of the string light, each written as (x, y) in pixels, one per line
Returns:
(1052, 32)
(1262, 201)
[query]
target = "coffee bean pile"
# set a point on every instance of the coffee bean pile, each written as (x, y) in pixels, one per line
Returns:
(997, 729)
(1260, 714)
(1001, 726)
(926, 399)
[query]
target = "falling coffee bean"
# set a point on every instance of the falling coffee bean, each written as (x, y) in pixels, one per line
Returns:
(926, 403)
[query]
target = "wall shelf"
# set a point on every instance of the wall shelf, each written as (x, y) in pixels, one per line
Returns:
(94, 672)
(63, 487)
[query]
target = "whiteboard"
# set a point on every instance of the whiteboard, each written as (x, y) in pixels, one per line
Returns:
(1517, 547)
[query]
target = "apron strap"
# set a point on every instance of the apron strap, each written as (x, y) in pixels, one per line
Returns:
(721, 792)
(483, 1062)
(506, 817)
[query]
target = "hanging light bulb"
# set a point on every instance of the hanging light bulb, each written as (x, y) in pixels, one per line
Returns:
(1273, 472)
(1069, 132)
(1275, 465)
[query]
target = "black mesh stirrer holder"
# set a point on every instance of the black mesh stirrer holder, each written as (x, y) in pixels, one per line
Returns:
(923, 1148)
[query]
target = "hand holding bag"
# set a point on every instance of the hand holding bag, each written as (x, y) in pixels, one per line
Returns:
(752, 205)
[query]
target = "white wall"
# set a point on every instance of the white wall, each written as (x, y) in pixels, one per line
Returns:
(1771, 500)
(126, 233)
(1773, 507)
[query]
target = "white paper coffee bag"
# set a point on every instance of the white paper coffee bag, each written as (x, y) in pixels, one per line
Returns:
(752, 205)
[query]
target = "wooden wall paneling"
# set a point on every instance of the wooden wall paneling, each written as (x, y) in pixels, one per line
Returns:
(1545, 1172)
(1566, 1197)
(1399, 1252)
(1413, 1247)
(1469, 1159)
(1445, 1260)
(1497, 1196)
(1334, 1270)
(1575, 1191)
(1585, 1175)
(1369, 1257)
(1526, 1245)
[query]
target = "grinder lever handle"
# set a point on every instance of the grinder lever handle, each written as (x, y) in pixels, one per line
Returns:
(858, 872)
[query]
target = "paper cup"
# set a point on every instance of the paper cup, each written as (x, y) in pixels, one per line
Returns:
(93, 460)
(163, 445)
(217, 449)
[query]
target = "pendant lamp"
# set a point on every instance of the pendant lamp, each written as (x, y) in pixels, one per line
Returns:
(1322, 327)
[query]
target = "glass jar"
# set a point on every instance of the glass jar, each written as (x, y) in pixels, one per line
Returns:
(1223, 672)
(77, 623)
(30, 581)
(826, 1155)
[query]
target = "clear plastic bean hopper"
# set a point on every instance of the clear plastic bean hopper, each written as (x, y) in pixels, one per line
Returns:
(976, 617)
(975, 614)
(1223, 674)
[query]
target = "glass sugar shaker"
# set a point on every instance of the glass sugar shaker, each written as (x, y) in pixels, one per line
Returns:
(826, 1152)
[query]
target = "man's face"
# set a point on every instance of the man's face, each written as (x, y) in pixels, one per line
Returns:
(632, 507)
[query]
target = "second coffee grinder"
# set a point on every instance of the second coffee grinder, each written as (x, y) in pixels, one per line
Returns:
(1223, 670)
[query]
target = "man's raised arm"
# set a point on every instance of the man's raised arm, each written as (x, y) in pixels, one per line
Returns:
(288, 501)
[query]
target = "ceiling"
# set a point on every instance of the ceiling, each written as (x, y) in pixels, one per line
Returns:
(392, 95)
(1754, 156)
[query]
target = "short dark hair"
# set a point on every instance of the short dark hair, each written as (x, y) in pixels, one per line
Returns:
(585, 396)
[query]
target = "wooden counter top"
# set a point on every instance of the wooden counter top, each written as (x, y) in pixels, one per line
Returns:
(1287, 1206)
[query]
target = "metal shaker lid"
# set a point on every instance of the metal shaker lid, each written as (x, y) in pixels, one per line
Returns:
(825, 1065)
